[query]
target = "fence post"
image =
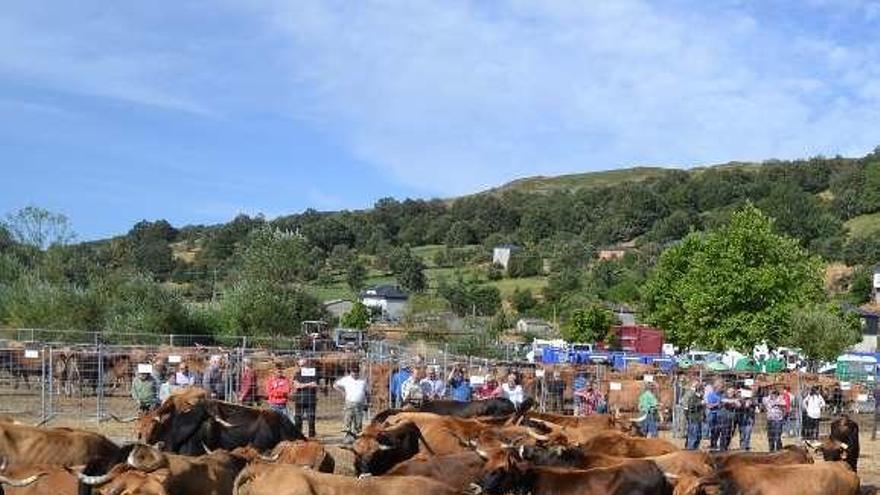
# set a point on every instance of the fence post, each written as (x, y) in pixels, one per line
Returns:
(42, 385)
(100, 388)
(49, 395)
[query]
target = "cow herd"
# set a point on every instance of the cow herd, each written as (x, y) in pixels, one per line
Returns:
(195, 445)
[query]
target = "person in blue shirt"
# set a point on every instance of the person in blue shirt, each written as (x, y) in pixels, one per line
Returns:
(712, 401)
(397, 380)
(579, 386)
(459, 385)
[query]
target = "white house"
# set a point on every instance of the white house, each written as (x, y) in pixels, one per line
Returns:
(387, 298)
(501, 254)
(534, 326)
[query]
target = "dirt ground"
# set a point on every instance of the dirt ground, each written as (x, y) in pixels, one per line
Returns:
(82, 413)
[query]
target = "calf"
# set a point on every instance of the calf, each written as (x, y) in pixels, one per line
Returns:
(826, 478)
(846, 431)
(377, 450)
(459, 471)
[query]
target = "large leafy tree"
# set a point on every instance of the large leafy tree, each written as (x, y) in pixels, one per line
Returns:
(823, 333)
(262, 308)
(39, 227)
(736, 286)
(588, 324)
(409, 270)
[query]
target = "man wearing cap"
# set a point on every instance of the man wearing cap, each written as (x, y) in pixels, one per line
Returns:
(144, 391)
(278, 390)
(305, 396)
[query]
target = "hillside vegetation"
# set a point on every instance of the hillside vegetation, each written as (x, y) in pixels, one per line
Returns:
(263, 276)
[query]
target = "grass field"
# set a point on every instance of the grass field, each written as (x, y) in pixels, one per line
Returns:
(864, 225)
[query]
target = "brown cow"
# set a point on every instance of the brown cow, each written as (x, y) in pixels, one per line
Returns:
(146, 466)
(506, 472)
(38, 479)
(622, 445)
(279, 479)
(790, 454)
(456, 470)
(825, 478)
(304, 453)
(24, 445)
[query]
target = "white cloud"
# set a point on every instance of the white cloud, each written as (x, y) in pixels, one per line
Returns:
(452, 96)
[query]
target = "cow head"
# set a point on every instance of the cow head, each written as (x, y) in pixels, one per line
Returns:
(376, 450)
(832, 450)
(182, 423)
(503, 471)
(146, 458)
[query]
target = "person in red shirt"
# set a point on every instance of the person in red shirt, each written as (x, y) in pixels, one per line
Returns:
(247, 385)
(278, 391)
(490, 389)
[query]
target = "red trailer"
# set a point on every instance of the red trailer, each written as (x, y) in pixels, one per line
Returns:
(639, 339)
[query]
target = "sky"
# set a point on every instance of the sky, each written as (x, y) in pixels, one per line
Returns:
(195, 111)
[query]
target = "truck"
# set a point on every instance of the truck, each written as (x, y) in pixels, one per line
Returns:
(639, 339)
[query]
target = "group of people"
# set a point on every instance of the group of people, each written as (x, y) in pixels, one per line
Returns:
(149, 389)
(414, 385)
(719, 409)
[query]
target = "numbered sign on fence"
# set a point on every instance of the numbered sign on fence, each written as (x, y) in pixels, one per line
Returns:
(307, 371)
(845, 385)
(648, 378)
(174, 359)
(746, 394)
(31, 353)
(749, 382)
(614, 386)
(145, 368)
(539, 373)
(478, 380)
(863, 398)
(870, 378)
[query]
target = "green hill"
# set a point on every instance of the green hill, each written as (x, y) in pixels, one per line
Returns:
(573, 182)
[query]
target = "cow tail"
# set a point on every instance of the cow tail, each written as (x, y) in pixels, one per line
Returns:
(425, 442)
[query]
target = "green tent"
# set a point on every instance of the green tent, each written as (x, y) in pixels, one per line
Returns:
(684, 363)
(717, 366)
(747, 364)
(774, 365)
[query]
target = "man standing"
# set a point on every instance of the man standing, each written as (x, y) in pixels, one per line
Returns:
(355, 390)
(459, 385)
(411, 389)
(184, 378)
(579, 391)
(278, 391)
(397, 380)
(694, 411)
(648, 408)
(212, 380)
(745, 418)
(775, 407)
(556, 393)
(813, 406)
(433, 388)
(305, 396)
(247, 384)
(144, 391)
(513, 391)
(712, 401)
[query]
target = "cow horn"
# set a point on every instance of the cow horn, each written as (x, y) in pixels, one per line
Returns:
(475, 489)
(18, 483)
(540, 438)
(223, 422)
(670, 476)
(207, 450)
(482, 453)
(810, 444)
(43, 422)
(521, 451)
(384, 447)
(126, 420)
(272, 458)
(844, 446)
(4, 463)
(93, 480)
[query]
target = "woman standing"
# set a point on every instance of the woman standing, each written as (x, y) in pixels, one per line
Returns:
(813, 405)
(775, 406)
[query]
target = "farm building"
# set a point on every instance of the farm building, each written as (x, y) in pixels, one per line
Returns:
(534, 326)
(388, 298)
(501, 254)
(870, 319)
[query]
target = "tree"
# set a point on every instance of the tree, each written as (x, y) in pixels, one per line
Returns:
(358, 317)
(524, 264)
(262, 308)
(588, 325)
(39, 227)
(279, 257)
(355, 275)
(409, 270)
(523, 301)
(822, 333)
(470, 297)
(733, 287)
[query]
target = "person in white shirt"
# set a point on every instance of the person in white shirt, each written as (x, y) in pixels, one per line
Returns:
(184, 378)
(513, 391)
(411, 391)
(355, 390)
(433, 388)
(813, 405)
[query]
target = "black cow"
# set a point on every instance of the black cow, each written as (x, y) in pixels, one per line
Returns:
(188, 422)
(378, 450)
(473, 409)
(846, 431)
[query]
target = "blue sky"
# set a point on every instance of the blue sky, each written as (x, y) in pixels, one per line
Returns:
(194, 111)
